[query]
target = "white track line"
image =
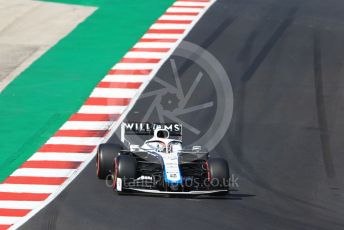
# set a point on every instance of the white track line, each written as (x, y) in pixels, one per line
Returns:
(74, 140)
(19, 204)
(9, 219)
(154, 45)
(93, 109)
(31, 188)
(169, 26)
(50, 156)
(177, 17)
(190, 4)
(125, 78)
(135, 66)
(175, 9)
(161, 36)
(113, 93)
(37, 172)
(145, 55)
(87, 125)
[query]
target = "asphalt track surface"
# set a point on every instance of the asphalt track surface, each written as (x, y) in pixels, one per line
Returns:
(285, 62)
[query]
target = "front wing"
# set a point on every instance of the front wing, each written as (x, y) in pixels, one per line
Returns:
(177, 193)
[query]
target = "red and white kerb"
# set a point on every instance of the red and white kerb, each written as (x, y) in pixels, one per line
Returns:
(44, 175)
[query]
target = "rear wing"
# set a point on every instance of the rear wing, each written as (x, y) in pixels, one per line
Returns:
(147, 129)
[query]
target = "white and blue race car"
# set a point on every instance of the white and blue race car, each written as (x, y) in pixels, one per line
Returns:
(161, 165)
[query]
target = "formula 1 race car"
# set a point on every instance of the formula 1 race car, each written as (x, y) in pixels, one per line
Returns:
(161, 164)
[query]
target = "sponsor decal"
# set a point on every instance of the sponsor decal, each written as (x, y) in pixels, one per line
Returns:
(119, 184)
(145, 128)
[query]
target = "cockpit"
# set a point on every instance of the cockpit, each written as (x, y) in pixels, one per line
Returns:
(158, 146)
(162, 147)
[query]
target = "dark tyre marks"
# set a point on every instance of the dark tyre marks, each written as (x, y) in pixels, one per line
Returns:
(269, 45)
(216, 32)
(321, 107)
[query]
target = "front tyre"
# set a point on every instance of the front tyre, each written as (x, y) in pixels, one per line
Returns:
(219, 175)
(104, 161)
(124, 171)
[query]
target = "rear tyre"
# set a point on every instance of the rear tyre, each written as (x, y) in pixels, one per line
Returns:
(124, 172)
(105, 157)
(219, 175)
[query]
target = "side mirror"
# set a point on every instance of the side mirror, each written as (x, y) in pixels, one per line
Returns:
(134, 148)
(196, 148)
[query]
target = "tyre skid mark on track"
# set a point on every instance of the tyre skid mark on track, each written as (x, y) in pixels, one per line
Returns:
(321, 108)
